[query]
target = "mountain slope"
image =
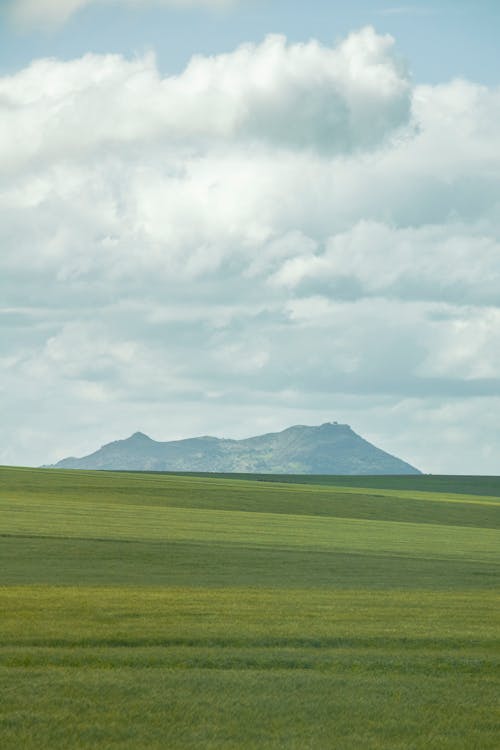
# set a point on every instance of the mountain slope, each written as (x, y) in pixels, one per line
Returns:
(330, 448)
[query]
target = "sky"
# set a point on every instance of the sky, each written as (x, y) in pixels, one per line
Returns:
(227, 217)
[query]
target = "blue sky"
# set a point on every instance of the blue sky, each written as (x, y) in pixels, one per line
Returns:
(229, 220)
(440, 39)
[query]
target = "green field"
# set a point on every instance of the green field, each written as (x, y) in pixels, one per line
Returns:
(167, 611)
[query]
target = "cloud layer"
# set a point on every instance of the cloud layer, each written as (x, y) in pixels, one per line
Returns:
(286, 233)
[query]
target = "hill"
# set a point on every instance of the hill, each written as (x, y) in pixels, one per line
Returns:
(330, 448)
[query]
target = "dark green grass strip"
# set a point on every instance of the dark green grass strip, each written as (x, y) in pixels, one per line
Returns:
(431, 657)
(28, 559)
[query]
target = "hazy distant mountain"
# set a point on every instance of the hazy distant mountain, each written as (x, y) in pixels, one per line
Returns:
(329, 449)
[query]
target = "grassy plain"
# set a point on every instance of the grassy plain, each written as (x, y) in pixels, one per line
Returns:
(168, 611)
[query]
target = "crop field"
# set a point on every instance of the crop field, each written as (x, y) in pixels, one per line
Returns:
(179, 612)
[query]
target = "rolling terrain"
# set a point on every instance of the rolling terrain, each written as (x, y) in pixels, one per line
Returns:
(330, 448)
(152, 610)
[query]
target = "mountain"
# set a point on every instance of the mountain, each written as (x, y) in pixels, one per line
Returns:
(330, 448)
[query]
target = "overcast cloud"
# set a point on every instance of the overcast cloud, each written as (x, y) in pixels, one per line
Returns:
(285, 233)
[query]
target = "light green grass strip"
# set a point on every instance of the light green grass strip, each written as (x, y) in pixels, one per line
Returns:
(52, 481)
(71, 613)
(57, 518)
(171, 480)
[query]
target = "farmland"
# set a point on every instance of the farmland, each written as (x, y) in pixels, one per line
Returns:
(166, 611)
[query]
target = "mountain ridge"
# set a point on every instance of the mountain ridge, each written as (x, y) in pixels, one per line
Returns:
(330, 448)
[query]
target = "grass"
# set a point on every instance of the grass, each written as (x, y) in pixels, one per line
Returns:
(167, 611)
(460, 484)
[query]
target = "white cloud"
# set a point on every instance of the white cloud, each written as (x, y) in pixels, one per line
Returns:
(296, 96)
(286, 233)
(53, 13)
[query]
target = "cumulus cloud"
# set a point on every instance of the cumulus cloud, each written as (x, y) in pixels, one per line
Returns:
(50, 13)
(286, 233)
(290, 95)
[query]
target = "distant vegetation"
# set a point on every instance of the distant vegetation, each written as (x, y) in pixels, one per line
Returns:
(181, 612)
